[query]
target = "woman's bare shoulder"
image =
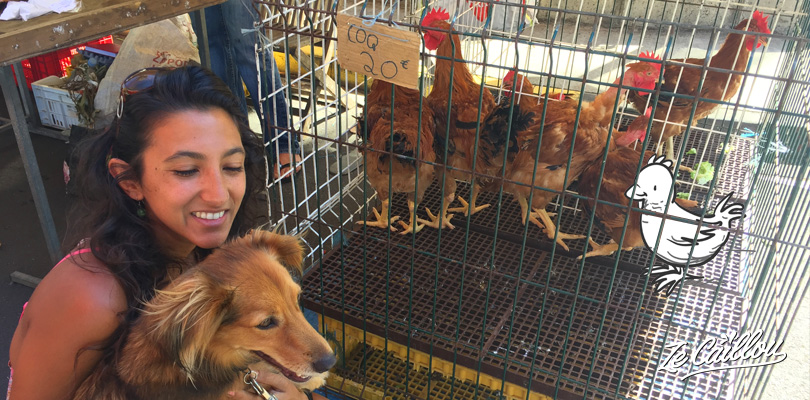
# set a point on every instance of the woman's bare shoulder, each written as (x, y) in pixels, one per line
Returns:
(80, 301)
(79, 284)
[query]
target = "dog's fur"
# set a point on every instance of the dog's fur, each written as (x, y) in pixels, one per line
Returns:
(197, 336)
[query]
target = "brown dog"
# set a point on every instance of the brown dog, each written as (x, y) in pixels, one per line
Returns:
(197, 337)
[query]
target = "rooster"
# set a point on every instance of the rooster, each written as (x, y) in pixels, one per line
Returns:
(681, 244)
(456, 130)
(619, 173)
(396, 135)
(557, 129)
(672, 113)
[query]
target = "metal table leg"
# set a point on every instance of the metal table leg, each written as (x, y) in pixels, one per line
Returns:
(27, 101)
(15, 109)
(202, 39)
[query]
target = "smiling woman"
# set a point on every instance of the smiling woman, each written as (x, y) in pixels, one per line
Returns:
(177, 174)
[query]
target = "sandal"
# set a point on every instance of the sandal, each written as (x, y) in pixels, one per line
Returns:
(283, 170)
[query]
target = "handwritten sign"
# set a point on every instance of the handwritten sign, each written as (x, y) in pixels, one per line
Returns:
(379, 50)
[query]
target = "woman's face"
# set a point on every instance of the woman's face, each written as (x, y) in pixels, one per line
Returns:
(193, 179)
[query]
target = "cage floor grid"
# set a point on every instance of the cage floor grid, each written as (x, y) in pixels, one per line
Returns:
(479, 310)
(477, 296)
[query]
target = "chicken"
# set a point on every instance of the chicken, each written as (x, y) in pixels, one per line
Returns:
(469, 105)
(495, 141)
(526, 101)
(553, 170)
(619, 174)
(675, 111)
(398, 135)
(682, 244)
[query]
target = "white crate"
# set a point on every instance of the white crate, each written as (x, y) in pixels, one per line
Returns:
(56, 109)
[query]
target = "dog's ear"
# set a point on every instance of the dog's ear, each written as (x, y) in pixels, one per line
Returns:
(185, 316)
(286, 248)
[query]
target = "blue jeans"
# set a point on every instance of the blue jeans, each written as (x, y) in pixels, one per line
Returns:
(233, 59)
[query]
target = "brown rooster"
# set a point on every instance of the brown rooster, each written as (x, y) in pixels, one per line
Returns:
(557, 129)
(464, 116)
(397, 134)
(619, 174)
(675, 111)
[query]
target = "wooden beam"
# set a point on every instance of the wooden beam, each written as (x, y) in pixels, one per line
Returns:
(25, 39)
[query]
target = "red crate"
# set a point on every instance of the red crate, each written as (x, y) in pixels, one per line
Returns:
(55, 63)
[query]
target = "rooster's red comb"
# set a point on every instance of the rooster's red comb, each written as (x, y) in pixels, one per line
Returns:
(435, 14)
(510, 76)
(651, 56)
(648, 112)
(761, 22)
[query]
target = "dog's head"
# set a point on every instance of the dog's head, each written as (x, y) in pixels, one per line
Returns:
(238, 307)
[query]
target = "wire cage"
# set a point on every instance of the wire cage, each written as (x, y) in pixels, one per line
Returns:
(494, 309)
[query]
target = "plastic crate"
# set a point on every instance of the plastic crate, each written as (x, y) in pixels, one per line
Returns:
(55, 63)
(56, 109)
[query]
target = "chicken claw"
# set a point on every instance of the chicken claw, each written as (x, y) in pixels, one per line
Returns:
(600, 250)
(465, 207)
(382, 220)
(414, 226)
(434, 220)
(550, 229)
(668, 277)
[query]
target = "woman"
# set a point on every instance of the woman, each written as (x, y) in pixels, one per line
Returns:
(177, 174)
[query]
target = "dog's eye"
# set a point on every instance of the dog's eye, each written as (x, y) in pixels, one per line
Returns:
(268, 323)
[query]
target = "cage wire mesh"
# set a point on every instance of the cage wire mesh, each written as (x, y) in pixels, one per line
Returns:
(493, 308)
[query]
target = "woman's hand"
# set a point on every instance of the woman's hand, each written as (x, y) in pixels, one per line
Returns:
(276, 384)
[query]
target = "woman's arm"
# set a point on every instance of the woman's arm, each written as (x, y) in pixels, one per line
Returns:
(71, 309)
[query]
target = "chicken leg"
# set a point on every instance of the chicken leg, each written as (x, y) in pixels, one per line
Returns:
(551, 229)
(469, 208)
(443, 219)
(414, 226)
(381, 218)
(603, 250)
(671, 155)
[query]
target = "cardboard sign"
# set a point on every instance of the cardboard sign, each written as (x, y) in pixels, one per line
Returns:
(379, 50)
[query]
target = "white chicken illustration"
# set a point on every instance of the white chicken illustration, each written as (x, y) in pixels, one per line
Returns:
(679, 240)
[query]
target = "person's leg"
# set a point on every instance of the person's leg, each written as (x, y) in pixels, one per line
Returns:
(282, 147)
(286, 145)
(220, 50)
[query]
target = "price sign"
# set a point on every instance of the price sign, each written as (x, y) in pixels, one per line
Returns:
(379, 50)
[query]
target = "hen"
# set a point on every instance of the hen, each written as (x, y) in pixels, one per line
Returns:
(523, 99)
(397, 136)
(619, 174)
(672, 113)
(557, 129)
(469, 105)
(682, 244)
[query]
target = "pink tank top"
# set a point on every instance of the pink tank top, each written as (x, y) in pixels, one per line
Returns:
(11, 373)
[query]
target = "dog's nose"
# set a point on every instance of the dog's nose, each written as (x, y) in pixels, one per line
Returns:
(324, 363)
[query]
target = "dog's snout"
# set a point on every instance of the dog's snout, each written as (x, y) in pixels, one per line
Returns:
(324, 363)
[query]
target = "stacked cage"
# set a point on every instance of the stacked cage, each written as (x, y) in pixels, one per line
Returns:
(486, 305)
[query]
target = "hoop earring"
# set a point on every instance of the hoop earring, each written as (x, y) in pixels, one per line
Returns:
(141, 210)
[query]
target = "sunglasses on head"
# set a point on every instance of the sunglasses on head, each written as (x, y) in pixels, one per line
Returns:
(138, 81)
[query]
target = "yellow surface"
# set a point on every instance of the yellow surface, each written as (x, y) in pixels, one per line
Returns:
(354, 337)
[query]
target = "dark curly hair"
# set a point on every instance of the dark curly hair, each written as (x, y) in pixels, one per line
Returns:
(105, 216)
